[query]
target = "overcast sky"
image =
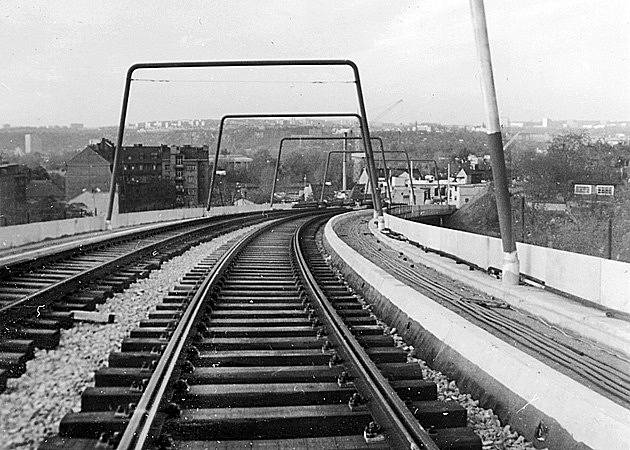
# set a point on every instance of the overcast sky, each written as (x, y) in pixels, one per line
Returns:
(65, 61)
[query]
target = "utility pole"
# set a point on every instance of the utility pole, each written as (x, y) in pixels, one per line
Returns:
(510, 267)
(343, 165)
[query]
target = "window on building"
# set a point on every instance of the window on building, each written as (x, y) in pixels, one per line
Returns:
(140, 167)
(582, 189)
(604, 189)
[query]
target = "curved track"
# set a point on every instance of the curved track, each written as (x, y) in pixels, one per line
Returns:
(38, 297)
(594, 367)
(262, 345)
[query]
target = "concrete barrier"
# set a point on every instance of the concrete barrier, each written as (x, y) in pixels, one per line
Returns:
(601, 281)
(18, 235)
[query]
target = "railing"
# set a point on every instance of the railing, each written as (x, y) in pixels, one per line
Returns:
(411, 212)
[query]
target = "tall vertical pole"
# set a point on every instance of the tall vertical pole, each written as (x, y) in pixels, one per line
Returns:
(448, 184)
(343, 164)
(412, 196)
(369, 154)
(610, 238)
(117, 150)
(523, 219)
(499, 174)
(276, 173)
(215, 165)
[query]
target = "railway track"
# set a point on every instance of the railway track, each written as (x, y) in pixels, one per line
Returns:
(39, 297)
(262, 344)
(597, 368)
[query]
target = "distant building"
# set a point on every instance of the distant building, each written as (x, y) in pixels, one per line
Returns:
(235, 163)
(13, 181)
(95, 202)
(90, 169)
(460, 194)
(469, 176)
(589, 191)
(188, 167)
(151, 177)
(76, 126)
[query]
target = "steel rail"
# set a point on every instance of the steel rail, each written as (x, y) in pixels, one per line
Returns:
(260, 63)
(16, 310)
(402, 427)
(143, 420)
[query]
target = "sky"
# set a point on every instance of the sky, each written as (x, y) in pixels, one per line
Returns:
(65, 61)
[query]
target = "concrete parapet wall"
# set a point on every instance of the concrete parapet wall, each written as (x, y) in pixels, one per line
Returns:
(522, 390)
(17, 235)
(601, 281)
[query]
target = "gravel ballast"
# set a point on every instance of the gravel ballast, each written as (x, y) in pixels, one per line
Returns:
(484, 422)
(33, 405)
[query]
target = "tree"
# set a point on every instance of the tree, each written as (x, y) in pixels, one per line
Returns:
(39, 173)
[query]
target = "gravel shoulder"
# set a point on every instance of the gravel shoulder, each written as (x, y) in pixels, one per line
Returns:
(33, 405)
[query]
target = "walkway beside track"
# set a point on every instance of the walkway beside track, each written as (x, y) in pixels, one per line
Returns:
(551, 385)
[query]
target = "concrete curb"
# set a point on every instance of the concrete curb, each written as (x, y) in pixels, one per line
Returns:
(522, 390)
(573, 317)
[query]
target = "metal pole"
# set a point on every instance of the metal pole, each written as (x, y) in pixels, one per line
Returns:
(276, 172)
(321, 196)
(215, 165)
(259, 116)
(413, 194)
(343, 164)
(350, 151)
(367, 144)
(610, 237)
(331, 138)
(523, 219)
(495, 142)
(448, 184)
(410, 168)
(387, 180)
(117, 149)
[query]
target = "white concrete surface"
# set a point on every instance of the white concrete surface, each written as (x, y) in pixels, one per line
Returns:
(578, 319)
(18, 235)
(598, 280)
(586, 415)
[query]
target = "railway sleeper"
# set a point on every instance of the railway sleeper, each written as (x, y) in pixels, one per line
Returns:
(13, 363)
(268, 422)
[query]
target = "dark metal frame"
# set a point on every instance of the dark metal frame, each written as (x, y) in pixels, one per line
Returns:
(263, 116)
(389, 187)
(375, 192)
(362, 116)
